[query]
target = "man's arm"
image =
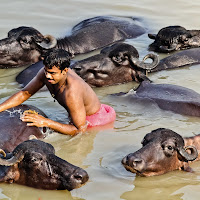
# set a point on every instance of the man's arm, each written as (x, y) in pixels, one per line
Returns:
(24, 94)
(40, 121)
(77, 113)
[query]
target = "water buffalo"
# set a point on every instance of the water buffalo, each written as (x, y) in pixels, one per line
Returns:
(163, 151)
(16, 130)
(179, 59)
(26, 45)
(173, 38)
(33, 162)
(118, 63)
(170, 97)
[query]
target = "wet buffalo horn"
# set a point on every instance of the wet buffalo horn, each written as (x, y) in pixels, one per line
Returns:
(189, 157)
(147, 66)
(3, 153)
(51, 44)
(13, 160)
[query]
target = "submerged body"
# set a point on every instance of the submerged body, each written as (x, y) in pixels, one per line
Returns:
(179, 59)
(170, 97)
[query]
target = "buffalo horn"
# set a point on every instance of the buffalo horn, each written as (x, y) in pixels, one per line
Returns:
(189, 157)
(13, 160)
(146, 66)
(3, 153)
(52, 42)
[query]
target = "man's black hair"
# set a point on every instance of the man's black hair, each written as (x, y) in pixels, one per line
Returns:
(57, 57)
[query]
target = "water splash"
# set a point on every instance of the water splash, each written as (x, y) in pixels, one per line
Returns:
(12, 113)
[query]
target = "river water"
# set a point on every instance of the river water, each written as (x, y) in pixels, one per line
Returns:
(100, 151)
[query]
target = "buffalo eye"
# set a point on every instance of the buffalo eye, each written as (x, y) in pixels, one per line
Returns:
(25, 40)
(168, 149)
(33, 158)
(118, 58)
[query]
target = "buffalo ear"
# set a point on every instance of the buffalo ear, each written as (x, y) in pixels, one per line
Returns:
(152, 36)
(16, 31)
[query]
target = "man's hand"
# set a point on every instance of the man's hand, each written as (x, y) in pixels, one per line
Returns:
(34, 119)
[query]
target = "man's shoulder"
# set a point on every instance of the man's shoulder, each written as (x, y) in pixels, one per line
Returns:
(74, 90)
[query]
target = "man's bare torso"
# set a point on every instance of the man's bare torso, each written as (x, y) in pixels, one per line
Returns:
(76, 86)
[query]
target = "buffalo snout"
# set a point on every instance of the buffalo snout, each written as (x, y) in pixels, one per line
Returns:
(79, 177)
(137, 164)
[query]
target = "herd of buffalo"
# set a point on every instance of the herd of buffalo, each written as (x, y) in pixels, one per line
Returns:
(33, 162)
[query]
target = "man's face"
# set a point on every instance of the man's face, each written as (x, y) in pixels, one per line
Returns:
(54, 75)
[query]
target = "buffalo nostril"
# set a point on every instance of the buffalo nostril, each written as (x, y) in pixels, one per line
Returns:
(81, 176)
(137, 161)
(78, 177)
(138, 164)
(133, 161)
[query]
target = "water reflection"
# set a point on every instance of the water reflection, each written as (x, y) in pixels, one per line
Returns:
(169, 186)
(16, 192)
(8, 84)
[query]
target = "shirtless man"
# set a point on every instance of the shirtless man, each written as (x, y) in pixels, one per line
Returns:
(71, 91)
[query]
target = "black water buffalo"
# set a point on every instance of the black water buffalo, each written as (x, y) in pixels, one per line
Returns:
(116, 64)
(26, 45)
(170, 97)
(33, 162)
(13, 131)
(173, 38)
(179, 59)
(163, 151)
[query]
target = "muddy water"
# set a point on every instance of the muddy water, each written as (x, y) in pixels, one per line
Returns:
(100, 151)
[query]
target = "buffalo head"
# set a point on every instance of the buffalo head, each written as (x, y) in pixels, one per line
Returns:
(116, 64)
(173, 38)
(34, 163)
(163, 151)
(24, 45)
